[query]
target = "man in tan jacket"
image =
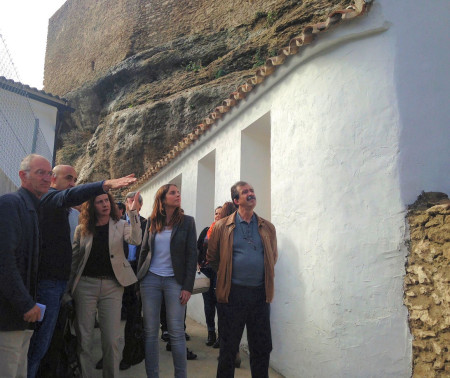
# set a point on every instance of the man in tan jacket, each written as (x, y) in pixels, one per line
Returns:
(243, 251)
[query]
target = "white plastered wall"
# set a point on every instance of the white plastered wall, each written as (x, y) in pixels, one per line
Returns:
(17, 130)
(336, 198)
(47, 121)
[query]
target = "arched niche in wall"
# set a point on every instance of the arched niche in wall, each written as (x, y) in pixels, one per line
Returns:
(205, 190)
(177, 180)
(255, 162)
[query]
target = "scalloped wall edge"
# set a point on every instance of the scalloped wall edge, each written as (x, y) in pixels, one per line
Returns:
(307, 35)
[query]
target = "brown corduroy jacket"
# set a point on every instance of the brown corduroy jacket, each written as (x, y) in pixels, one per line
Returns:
(220, 255)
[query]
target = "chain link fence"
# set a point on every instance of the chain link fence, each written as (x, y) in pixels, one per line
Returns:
(20, 133)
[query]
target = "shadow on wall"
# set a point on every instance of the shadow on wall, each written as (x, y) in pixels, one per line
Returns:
(287, 315)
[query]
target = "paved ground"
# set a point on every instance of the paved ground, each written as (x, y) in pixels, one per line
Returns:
(204, 366)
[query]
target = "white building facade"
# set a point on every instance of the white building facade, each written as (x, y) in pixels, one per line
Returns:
(337, 142)
(29, 121)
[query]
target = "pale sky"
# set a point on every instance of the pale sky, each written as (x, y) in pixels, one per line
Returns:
(24, 24)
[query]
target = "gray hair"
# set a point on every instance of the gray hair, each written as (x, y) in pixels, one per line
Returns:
(25, 164)
(132, 194)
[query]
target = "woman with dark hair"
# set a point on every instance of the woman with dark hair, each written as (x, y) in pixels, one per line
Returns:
(99, 273)
(228, 208)
(166, 269)
(209, 297)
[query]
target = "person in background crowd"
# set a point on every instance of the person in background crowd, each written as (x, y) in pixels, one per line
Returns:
(243, 250)
(166, 269)
(74, 214)
(122, 209)
(99, 273)
(55, 253)
(19, 255)
(209, 297)
(133, 306)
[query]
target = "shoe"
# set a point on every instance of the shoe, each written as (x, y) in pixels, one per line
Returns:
(187, 336)
(217, 344)
(99, 364)
(165, 336)
(237, 361)
(124, 365)
(190, 355)
(211, 338)
(168, 347)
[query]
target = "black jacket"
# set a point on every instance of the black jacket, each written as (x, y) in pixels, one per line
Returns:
(19, 251)
(202, 247)
(56, 248)
(183, 252)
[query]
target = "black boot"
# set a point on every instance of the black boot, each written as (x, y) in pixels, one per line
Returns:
(211, 338)
(190, 355)
(99, 364)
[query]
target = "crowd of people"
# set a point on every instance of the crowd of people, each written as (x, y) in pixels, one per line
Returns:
(70, 249)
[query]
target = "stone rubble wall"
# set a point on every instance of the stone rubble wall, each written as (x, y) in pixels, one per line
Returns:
(427, 284)
(86, 38)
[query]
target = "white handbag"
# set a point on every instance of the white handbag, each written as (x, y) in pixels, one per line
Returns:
(201, 283)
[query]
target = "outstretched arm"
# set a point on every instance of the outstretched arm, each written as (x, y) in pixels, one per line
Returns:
(119, 182)
(81, 193)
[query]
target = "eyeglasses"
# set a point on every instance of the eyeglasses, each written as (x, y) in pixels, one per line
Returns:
(41, 173)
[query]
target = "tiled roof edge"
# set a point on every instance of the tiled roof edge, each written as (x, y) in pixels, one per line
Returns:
(308, 34)
(28, 89)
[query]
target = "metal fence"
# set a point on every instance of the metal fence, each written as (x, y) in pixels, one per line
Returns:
(20, 133)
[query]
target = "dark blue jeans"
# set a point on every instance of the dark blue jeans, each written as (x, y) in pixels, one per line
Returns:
(209, 299)
(246, 307)
(49, 292)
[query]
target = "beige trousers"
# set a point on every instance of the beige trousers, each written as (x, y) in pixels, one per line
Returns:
(105, 296)
(13, 353)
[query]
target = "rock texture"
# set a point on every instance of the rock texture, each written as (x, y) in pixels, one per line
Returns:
(427, 285)
(148, 93)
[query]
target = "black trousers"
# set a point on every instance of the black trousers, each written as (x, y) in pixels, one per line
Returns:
(246, 307)
(133, 308)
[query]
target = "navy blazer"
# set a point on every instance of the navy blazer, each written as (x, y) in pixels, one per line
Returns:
(183, 252)
(19, 253)
(56, 248)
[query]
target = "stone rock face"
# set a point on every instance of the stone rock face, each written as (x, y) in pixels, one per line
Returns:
(139, 98)
(427, 284)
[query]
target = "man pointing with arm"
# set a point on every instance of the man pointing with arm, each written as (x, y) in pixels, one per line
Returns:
(56, 249)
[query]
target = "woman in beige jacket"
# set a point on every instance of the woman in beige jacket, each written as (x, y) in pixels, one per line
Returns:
(99, 273)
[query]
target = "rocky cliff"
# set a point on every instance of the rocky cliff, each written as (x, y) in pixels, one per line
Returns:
(131, 113)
